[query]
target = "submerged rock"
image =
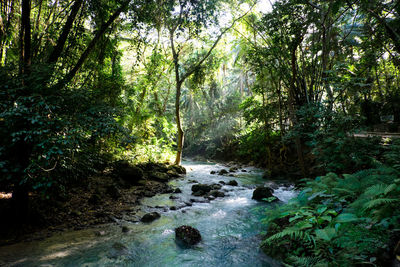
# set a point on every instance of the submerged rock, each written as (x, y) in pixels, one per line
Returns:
(213, 172)
(262, 192)
(187, 235)
(222, 182)
(232, 183)
(118, 250)
(149, 217)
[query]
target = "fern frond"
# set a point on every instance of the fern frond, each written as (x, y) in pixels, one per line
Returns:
(390, 188)
(289, 232)
(377, 202)
(375, 190)
(304, 261)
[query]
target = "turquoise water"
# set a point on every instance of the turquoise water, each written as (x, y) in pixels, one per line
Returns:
(229, 226)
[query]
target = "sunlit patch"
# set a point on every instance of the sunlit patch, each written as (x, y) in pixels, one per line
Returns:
(167, 232)
(219, 214)
(4, 195)
(237, 200)
(55, 255)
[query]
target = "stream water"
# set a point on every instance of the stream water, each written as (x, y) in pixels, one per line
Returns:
(229, 226)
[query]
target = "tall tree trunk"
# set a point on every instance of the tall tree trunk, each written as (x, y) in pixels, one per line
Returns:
(292, 109)
(180, 140)
(22, 150)
(56, 53)
(179, 82)
(25, 37)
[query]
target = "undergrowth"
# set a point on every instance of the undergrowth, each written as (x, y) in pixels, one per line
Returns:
(339, 220)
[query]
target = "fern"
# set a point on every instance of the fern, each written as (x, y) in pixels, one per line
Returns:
(290, 233)
(375, 190)
(390, 188)
(305, 261)
(329, 218)
(378, 202)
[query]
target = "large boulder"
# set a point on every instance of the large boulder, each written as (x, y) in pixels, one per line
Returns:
(159, 176)
(178, 169)
(200, 189)
(173, 174)
(149, 217)
(187, 235)
(128, 173)
(154, 167)
(262, 192)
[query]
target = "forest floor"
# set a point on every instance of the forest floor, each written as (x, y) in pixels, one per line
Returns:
(104, 198)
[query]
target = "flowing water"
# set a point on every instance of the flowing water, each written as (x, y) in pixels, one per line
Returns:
(230, 228)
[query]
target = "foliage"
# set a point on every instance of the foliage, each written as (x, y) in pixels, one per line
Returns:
(66, 135)
(337, 221)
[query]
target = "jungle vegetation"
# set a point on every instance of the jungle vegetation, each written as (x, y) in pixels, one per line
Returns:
(288, 85)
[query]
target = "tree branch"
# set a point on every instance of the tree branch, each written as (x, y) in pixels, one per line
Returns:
(193, 68)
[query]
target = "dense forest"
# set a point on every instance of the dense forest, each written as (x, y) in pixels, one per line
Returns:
(309, 91)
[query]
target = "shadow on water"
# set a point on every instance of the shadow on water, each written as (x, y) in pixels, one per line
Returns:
(229, 226)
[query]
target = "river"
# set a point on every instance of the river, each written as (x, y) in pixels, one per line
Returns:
(230, 228)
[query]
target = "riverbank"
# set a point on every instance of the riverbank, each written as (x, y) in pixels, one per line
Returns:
(103, 198)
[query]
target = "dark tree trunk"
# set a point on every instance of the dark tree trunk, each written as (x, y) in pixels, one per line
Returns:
(56, 53)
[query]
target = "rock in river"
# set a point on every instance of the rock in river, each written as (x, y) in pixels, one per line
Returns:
(149, 217)
(187, 235)
(232, 183)
(222, 172)
(216, 193)
(177, 191)
(262, 192)
(200, 189)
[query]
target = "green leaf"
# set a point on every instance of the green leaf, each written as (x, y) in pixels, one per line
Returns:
(326, 234)
(322, 209)
(326, 218)
(346, 217)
